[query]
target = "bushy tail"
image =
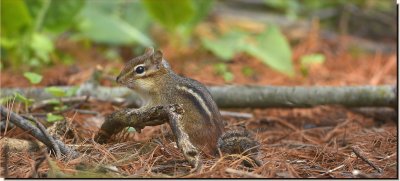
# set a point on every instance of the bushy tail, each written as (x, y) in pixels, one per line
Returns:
(239, 142)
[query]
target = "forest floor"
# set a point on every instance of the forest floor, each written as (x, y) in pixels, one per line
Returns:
(295, 143)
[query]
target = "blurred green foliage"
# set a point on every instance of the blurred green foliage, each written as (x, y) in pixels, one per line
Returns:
(30, 28)
(178, 17)
(270, 46)
(115, 22)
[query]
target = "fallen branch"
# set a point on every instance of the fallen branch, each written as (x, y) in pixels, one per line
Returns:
(49, 138)
(250, 96)
(137, 118)
(35, 132)
(357, 151)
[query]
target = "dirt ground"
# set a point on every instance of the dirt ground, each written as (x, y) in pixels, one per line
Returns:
(295, 143)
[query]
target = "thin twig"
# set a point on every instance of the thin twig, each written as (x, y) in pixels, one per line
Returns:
(50, 138)
(83, 111)
(357, 150)
(35, 132)
(243, 173)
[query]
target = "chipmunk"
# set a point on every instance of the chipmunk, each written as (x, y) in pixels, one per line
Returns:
(152, 78)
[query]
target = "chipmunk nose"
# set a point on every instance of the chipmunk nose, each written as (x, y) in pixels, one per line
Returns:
(117, 79)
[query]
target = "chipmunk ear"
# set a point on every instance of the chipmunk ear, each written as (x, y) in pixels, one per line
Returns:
(157, 57)
(149, 51)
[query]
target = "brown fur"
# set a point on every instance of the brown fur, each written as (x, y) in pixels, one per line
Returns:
(159, 86)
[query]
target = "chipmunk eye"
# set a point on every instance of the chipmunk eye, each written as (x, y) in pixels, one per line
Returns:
(139, 69)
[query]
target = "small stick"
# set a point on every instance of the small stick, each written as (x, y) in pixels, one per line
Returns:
(49, 137)
(243, 173)
(236, 114)
(46, 134)
(357, 150)
(83, 111)
(35, 132)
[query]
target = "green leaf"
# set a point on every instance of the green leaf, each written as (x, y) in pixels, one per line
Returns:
(308, 60)
(201, 10)
(60, 108)
(6, 99)
(170, 13)
(55, 91)
(54, 101)
(21, 98)
(273, 49)
(15, 18)
(222, 69)
(59, 16)
(33, 78)
(134, 13)
(226, 46)
(311, 59)
(228, 76)
(53, 117)
(247, 71)
(42, 46)
(72, 91)
(104, 28)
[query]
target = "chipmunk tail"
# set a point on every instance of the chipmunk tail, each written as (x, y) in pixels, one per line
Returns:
(239, 142)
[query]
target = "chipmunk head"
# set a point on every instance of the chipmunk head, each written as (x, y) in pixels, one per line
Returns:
(142, 73)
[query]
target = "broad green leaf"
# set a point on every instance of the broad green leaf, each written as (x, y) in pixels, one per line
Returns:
(273, 49)
(170, 13)
(55, 91)
(33, 78)
(226, 46)
(136, 15)
(201, 10)
(61, 14)
(103, 28)
(53, 117)
(15, 18)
